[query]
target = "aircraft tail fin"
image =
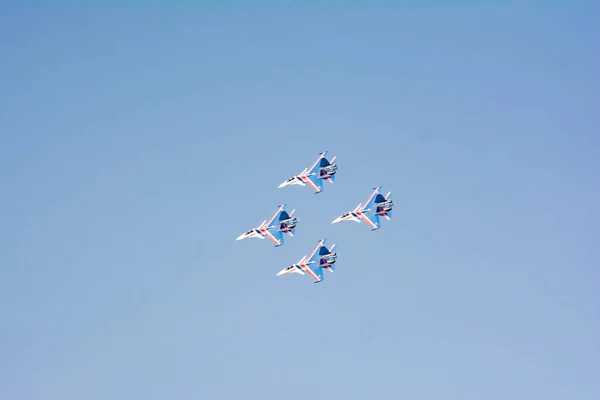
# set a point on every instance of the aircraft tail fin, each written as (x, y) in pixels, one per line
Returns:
(323, 161)
(327, 257)
(283, 215)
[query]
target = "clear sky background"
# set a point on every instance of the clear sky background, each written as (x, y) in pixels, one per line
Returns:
(139, 141)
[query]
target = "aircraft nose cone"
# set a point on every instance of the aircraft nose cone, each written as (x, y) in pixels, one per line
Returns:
(338, 219)
(242, 236)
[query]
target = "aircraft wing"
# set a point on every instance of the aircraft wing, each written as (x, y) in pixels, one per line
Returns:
(314, 256)
(315, 272)
(315, 167)
(275, 216)
(275, 236)
(315, 182)
(372, 219)
(370, 203)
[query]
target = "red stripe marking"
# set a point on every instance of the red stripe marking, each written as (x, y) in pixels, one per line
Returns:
(305, 179)
(310, 272)
(268, 234)
(366, 219)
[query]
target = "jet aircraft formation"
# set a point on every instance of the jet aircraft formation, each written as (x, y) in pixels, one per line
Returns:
(282, 222)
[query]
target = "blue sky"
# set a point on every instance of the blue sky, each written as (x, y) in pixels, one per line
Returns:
(139, 142)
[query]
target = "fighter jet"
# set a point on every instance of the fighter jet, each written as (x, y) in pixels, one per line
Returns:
(280, 223)
(320, 258)
(375, 206)
(321, 170)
